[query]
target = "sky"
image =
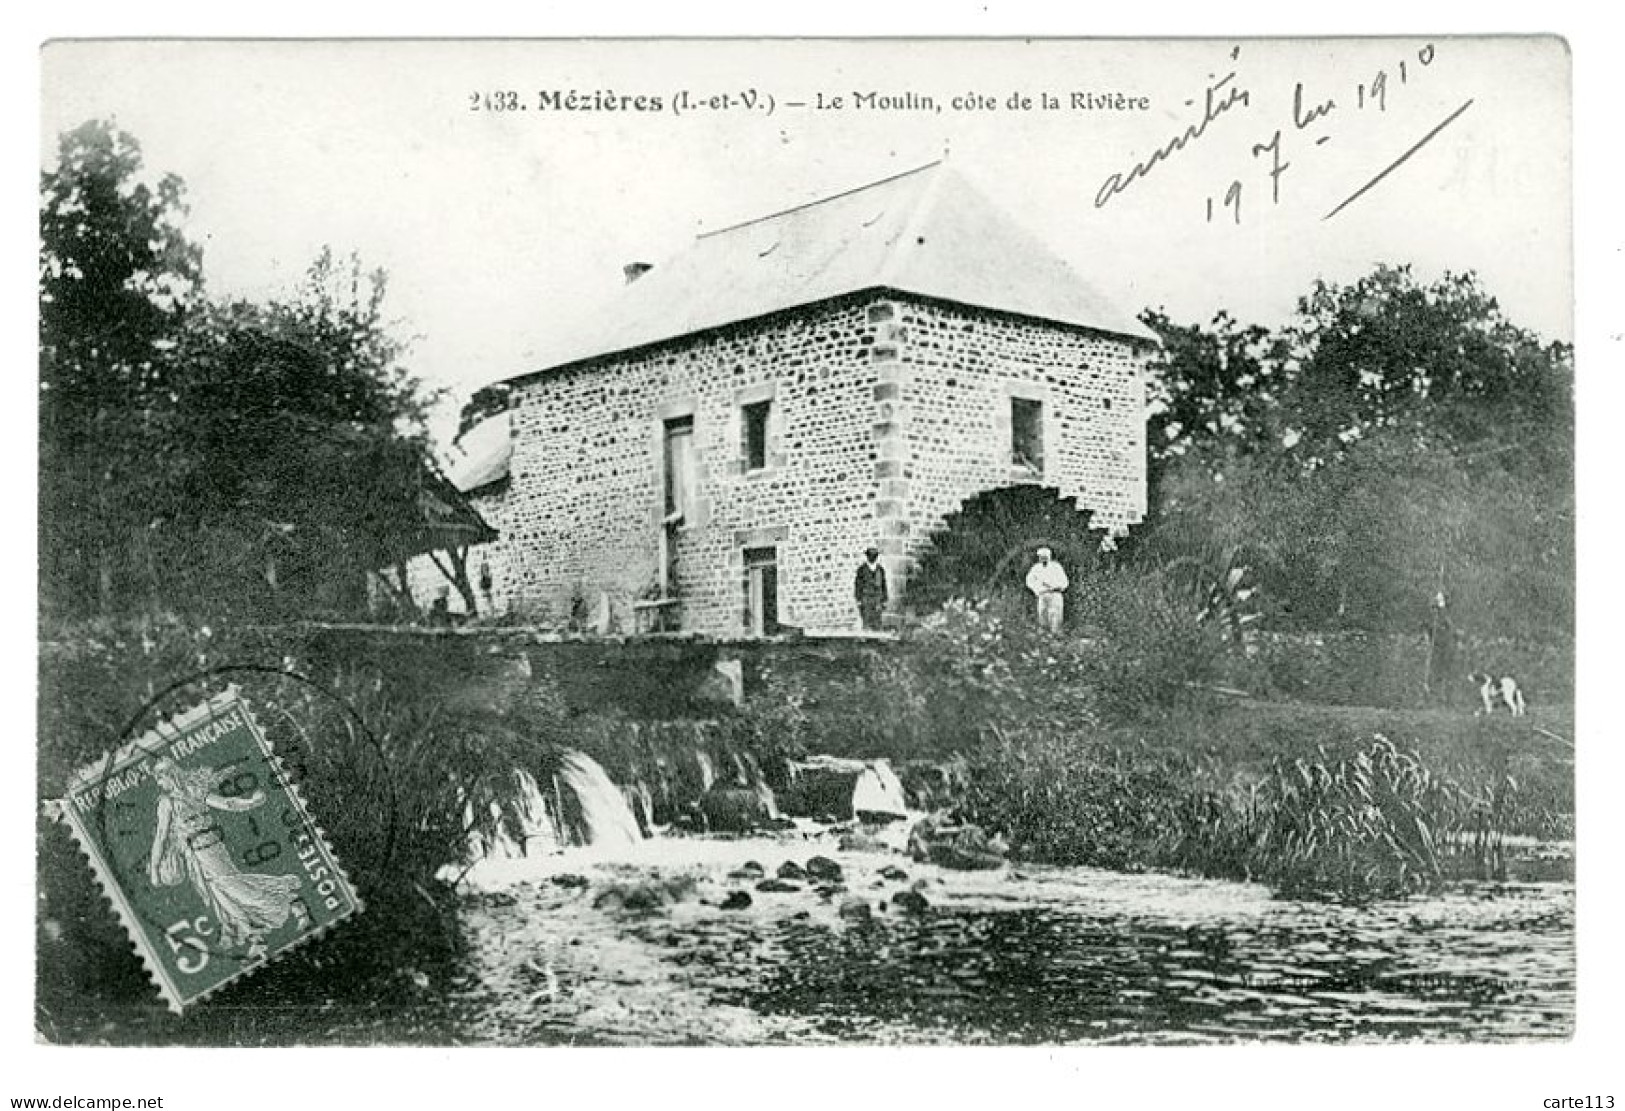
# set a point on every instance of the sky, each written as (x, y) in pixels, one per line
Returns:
(502, 230)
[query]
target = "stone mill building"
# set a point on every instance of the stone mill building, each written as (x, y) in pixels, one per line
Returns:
(755, 412)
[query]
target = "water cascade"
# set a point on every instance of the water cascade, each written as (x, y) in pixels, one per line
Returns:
(581, 808)
(606, 819)
(879, 792)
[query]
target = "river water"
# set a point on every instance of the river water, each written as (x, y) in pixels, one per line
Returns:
(634, 946)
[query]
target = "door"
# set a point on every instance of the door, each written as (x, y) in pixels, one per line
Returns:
(761, 591)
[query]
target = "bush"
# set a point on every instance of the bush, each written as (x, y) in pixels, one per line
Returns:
(1155, 645)
(1063, 797)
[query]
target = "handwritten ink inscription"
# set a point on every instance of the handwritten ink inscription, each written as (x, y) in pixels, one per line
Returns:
(1222, 95)
(1311, 122)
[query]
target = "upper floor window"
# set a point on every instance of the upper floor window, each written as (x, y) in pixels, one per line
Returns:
(756, 416)
(1027, 433)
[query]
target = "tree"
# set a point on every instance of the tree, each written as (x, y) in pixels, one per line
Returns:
(117, 276)
(297, 431)
(238, 457)
(1440, 359)
(1221, 382)
(1393, 440)
(487, 402)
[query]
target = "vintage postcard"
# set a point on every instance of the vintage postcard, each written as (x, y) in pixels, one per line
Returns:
(807, 542)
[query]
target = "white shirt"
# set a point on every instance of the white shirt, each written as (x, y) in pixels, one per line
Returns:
(1046, 578)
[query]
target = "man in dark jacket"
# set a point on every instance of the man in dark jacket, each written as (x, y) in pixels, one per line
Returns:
(1444, 652)
(869, 587)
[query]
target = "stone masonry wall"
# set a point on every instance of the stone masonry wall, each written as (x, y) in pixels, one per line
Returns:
(589, 483)
(950, 436)
(885, 415)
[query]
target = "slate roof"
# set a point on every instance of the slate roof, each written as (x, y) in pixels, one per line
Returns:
(927, 231)
(481, 455)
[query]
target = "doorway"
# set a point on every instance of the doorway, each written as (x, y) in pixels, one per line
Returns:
(761, 591)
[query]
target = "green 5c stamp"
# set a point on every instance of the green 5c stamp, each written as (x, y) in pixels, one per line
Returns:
(202, 842)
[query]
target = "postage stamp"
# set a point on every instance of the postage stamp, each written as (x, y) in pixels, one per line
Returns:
(202, 842)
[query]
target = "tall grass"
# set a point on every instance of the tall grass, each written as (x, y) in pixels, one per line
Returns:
(1375, 823)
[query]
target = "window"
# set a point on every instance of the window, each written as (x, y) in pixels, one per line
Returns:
(679, 467)
(1027, 433)
(761, 591)
(755, 421)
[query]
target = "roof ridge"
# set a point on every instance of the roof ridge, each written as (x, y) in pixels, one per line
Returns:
(820, 200)
(923, 209)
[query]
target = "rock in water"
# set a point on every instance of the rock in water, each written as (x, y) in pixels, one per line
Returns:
(893, 872)
(736, 900)
(750, 870)
(570, 879)
(645, 894)
(790, 870)
(842, 789)
(738, 809)
(777, 885)
(965, 847)
(830, 890)
(859, 841)
(911, 901)
(856, 910)
(823, 868)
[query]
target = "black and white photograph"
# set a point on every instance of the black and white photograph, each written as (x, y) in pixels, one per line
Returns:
(806, 542)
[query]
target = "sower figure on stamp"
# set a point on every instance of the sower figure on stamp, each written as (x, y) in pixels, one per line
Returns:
(244, 904)
(869, 588)
(1048, 582)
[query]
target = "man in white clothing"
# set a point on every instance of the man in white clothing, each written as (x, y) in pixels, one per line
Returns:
(1047, 580)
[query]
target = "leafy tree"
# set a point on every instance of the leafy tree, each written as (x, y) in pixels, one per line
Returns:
(1394, 440)
(298, 432)
(255, 458)
(1221, 382)
(117, 275)
(488, 401)
(1440, 359)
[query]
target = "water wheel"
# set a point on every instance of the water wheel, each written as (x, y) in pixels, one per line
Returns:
(982, 550)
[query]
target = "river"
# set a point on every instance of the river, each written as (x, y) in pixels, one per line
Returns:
(632, 945)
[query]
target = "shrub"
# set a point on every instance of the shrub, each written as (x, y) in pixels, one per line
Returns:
(1155, 646)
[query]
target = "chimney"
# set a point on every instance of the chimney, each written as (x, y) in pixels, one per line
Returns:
(636, 270)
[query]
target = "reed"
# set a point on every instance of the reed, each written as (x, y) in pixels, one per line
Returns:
(1376, 823)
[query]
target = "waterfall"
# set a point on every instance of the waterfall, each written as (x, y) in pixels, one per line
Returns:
(708, 774)
(538, 833)
(642, 801)
(878, 791)
(606, 820)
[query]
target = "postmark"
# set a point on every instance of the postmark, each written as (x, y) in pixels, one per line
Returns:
(200, 837)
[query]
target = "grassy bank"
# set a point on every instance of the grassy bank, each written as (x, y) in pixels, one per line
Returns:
(1334, 802)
